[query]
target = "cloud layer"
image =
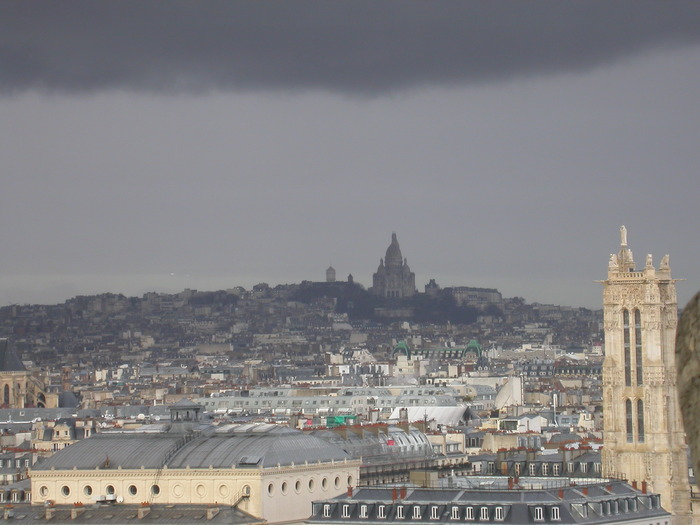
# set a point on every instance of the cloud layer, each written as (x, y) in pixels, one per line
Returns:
(357, 47)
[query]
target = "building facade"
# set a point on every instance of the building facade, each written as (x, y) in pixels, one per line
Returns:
(393, 279)
(644, 438)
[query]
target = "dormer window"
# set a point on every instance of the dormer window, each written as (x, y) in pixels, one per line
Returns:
(381, 511)
(455, 513)
(539, 514)
(326, 510)
(555, 514)
(416, 512)
(484, 514)
(434, 512)
(499, 515)
(470, 514)
(346, 511)
(363, 511)
(399, 512)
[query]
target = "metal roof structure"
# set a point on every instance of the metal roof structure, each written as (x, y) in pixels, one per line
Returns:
(244, 446)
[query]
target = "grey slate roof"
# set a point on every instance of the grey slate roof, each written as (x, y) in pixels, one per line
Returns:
(127, 514)
(9, 360)
(251, 446)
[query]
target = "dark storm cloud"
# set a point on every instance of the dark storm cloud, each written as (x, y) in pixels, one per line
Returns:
(350, 46)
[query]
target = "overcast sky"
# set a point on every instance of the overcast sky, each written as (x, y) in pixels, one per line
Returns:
(162, 146)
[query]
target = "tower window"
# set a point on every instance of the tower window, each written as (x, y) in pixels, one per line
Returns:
(640, 421)
(628, 419)
(638, 347)
(626, 340)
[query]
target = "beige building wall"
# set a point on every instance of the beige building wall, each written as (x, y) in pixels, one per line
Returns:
(282, 494)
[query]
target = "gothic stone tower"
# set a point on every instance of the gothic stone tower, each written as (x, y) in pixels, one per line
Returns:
(644, 439)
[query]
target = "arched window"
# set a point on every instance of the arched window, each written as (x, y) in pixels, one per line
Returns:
(640, 421)
(626, 340)
(638, 346)
(628, 419)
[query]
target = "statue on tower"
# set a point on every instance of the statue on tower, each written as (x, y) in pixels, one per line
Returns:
(623, 236)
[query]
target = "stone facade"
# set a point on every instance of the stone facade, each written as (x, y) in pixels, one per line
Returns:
(393, 279)
(644, 437)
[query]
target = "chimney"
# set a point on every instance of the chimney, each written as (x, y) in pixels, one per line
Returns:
(510, 483)
(76, 511)
(394, 494)
(49, 512)
(143, 511)
(402, 495)
(8, 513)
(349, 491)
(585, 491)
(644, 487)
(212, 512)
(634, 484)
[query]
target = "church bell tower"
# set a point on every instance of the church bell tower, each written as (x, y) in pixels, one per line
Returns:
(644, 441)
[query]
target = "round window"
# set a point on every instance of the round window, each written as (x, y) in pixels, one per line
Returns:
(133, 490)
(270, 489)
(155, 490)
(200, 490)
(350, 480)
(224, 491)
(297, 486)
(110, 489)
(336, 483)
(87, 490)
(44, 491)
(311, 484)
(324, 483)
(284, 487)
(65, 490)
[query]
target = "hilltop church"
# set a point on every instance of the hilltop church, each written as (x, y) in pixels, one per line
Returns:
(393, 279)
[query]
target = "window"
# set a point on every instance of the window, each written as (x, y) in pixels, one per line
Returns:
(640, 420)
(326, 510)
(539, 514)
(346, 511)
(155, 490)
(555, 469)
(499, 514)
(399, 512)
(65, 490)
(484, 514)
(109, 489)
(381, 511)
(363, 511)
(44, 491)
(416, 512)
(133, 490)
(555, 514)
(470, 514)
(628, 419)
(533, 469)
(570, 466)
(626, 339)
(434, 512)
(87, 490)
(455, 513)
(638, 347)
(584, 468)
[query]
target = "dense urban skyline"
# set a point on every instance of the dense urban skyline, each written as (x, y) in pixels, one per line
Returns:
(146, 147)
